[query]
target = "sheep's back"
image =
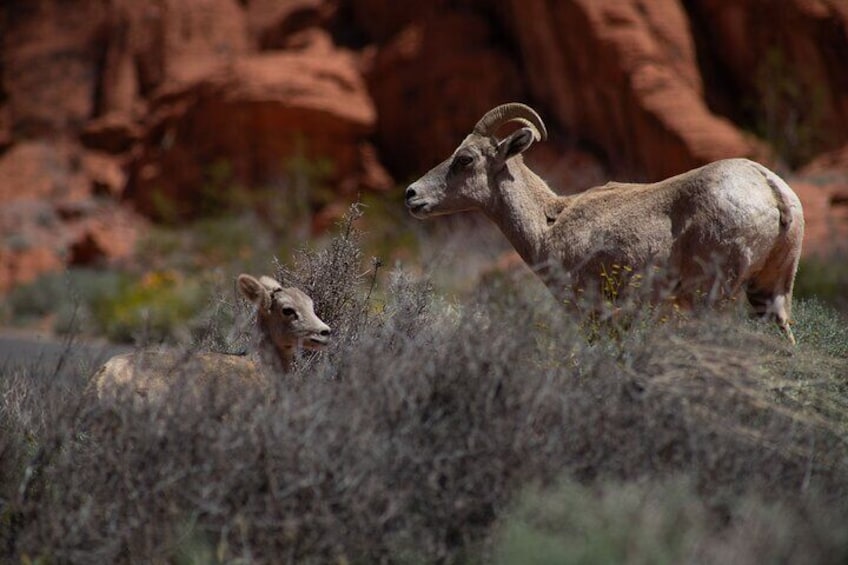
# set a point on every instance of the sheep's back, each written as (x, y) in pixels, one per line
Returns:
(154, 375)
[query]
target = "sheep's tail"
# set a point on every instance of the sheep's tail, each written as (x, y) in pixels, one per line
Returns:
(782, 204)
(785, 199)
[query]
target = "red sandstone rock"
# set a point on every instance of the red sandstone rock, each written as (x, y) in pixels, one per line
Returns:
(101, 240)
(41, 170)
(825, 212)
(5, 127)
(432, 82)
(272, 23)
(166, 91)
(822, 186)
(790, 59)
(836, 160)
(50, 65)
(253, 115)
(113, 133)
(18, 266)
(41, 237)
(53, 211)
(185, 40)
(623, 75)
(57, 172)
(383, 19)
(104, 173)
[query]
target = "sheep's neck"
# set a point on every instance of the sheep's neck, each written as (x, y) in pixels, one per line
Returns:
(280, 359)
(522, 209)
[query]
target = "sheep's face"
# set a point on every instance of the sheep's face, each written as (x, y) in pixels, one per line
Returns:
(286, 314)
(468, 179)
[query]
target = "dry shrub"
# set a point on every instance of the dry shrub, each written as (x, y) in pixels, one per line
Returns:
(409, 439)
(663, 521)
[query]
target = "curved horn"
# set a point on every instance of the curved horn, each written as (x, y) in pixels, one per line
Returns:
(512, 112)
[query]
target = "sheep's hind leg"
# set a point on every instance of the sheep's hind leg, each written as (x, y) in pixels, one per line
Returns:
(768, 304)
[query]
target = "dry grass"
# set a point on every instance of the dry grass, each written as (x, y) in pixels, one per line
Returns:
(414, 437)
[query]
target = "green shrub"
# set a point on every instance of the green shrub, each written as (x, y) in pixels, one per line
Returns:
(824, 278)
(818, 325)
(229, 243)
(125, 308)
(153, 308)
(65, 296)
(605, 523)
(665, 521)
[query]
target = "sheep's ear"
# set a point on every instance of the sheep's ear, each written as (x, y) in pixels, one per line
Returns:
(517, 142)
(254, 291)
(269, 283)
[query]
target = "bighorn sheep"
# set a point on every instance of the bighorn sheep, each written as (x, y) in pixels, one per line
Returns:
(285, 321)
(732, 224)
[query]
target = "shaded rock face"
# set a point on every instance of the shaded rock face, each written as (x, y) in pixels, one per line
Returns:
(110, 107)
(625, 77)
(50, 65)
(432, 81)
(786, 61)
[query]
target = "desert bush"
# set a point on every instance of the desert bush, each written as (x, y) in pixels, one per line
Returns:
(334, 276)
(632, 522)
(824, 278)
(61, 295)
(663, 521)
(151, 308)
(822, 327)
(121, 306)
(410, 439)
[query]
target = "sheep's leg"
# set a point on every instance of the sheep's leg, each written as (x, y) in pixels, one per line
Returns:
(778, 306)
(782, 307)
(770, 290)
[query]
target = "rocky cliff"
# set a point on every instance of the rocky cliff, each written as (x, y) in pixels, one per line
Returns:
(108, 108)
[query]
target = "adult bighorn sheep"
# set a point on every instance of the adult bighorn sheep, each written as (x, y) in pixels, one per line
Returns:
(285, 322)
(731, 225)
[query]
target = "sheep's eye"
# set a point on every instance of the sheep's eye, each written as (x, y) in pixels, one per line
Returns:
(289, 312)
(462, 161)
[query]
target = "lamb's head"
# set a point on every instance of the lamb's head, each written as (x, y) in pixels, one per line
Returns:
(468, 178)
(287, 315)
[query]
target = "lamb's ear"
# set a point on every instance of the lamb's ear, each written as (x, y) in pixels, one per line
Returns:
(254, 291)
(517, 142)
(269, 283)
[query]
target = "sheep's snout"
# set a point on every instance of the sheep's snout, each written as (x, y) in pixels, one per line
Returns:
(417, 204)
(319, 338)
(425, 197)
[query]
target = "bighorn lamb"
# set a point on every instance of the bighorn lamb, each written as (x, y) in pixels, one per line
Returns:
(729, 225)
(285, 321)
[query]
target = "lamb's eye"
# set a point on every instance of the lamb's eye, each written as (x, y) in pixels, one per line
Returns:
(289, 312)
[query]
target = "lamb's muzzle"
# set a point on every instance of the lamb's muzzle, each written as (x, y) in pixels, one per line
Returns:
(732, 224)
